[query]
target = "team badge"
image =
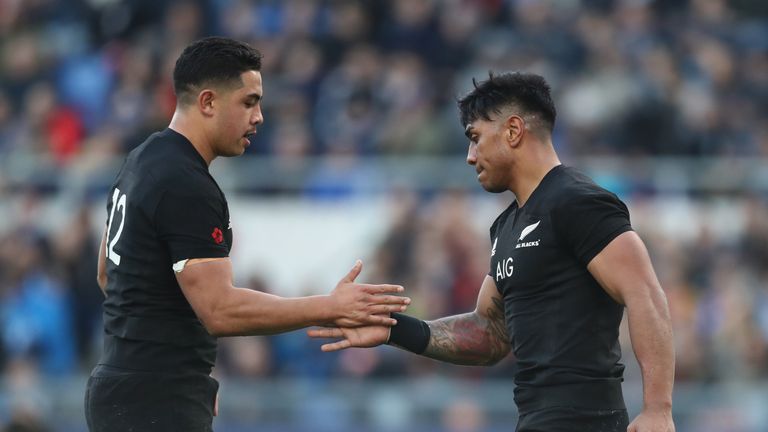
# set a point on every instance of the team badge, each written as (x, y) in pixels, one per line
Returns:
(217, 235)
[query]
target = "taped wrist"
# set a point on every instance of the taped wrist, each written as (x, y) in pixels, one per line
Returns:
(409, 333)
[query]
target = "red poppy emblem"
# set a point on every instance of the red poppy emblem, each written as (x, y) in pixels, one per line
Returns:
(217, 235)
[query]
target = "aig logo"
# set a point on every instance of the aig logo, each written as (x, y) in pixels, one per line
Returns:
(504, 269)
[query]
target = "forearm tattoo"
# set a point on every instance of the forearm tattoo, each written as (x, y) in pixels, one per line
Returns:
(470, 339)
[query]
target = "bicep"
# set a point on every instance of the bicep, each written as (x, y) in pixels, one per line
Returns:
(490, 305)
(204, 282)
(623, 268)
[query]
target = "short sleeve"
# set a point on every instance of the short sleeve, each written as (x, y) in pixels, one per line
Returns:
(192, 226)
(587, 222)
(494, 241)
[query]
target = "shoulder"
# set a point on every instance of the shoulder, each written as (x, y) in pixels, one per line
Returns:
(164, 166)
(574, 188)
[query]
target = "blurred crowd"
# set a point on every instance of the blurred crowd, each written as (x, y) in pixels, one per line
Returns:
(85, 81)
(81, 80)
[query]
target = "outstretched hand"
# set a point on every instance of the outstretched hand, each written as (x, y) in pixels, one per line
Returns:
(357, 304)
(358, 337)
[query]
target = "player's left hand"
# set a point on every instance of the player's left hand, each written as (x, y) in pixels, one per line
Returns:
(357, 337)
(653, 420)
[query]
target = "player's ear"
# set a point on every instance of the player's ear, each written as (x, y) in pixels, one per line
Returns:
(515, 128)
(205, 102)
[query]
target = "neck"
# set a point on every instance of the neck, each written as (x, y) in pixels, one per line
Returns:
(191, 130)
(530, 171)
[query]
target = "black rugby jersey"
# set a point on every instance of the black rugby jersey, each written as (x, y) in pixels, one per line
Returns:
(163, 208)
(564, 327)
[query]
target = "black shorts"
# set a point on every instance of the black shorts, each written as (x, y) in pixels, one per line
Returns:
(118, 400)
(565, 419)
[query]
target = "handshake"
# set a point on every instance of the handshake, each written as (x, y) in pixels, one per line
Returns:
(362, 313)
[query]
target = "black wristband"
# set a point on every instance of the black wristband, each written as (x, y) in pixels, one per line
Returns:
(409, 333)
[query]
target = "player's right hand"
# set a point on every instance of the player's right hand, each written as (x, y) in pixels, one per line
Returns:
(358, 337)
(357, 304)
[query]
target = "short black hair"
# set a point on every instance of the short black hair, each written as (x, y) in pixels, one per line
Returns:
(527, 92)
(212, 60)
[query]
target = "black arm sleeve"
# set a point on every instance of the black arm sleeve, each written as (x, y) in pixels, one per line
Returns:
(410, 333)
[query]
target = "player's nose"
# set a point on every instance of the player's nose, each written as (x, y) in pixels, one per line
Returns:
(257, 117)
(472, 154)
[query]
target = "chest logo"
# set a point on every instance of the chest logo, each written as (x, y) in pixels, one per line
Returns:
(493, 249)
(527, 230)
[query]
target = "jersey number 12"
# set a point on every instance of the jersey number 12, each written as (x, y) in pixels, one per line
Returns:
(118, 202)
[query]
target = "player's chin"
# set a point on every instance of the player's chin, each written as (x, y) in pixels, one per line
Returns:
(492, 188)
(234, 151)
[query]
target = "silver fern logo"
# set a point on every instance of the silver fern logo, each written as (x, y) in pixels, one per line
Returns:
(527, 230)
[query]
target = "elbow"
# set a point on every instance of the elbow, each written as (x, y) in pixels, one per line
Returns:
(493, 356)
(654, 303)
(215, 327)
(215, 332)
(219, 323)
(494, 359)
